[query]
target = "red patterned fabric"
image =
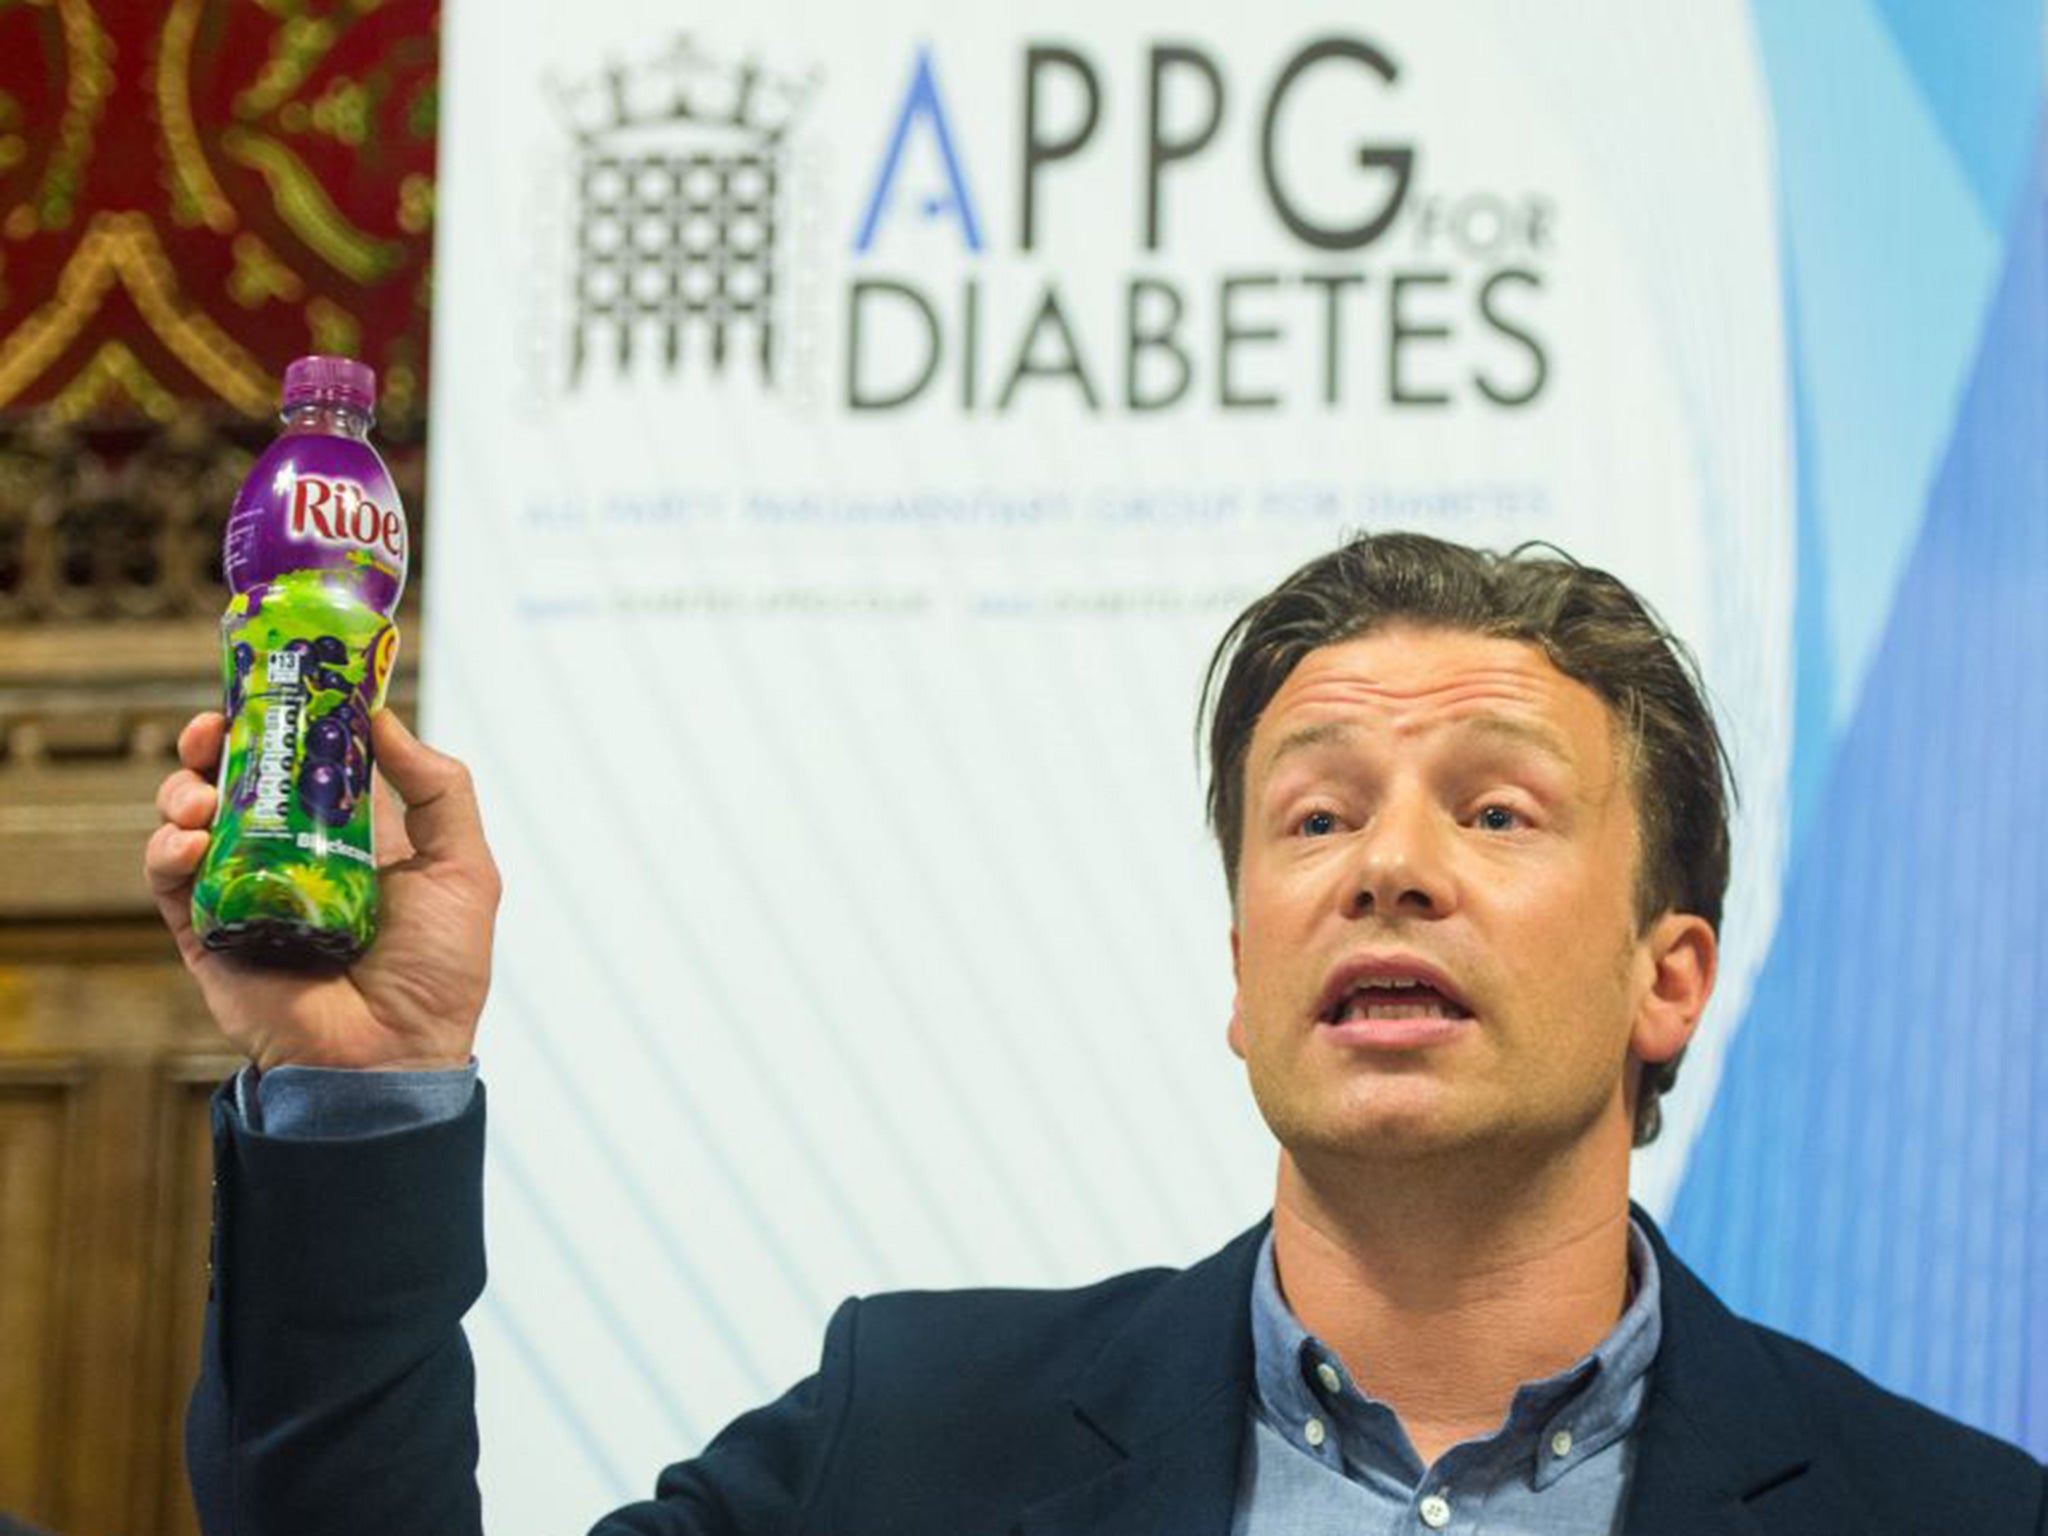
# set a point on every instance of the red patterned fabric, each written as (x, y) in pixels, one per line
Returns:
(194, 193)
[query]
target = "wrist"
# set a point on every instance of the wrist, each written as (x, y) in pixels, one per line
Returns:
(271, 1061)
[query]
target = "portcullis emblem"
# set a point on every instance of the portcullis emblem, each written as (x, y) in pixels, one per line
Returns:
(680, 173)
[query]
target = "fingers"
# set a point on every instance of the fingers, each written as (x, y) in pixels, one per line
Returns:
(199, 744)
(170, 861)
(171, 858)
(186, 800)
(441, 815)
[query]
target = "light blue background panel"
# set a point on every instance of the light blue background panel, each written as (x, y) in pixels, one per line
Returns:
(1874, 1175)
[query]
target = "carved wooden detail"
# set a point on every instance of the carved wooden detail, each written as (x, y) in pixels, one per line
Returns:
(123, 523)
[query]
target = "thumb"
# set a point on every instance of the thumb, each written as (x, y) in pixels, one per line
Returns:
(442, 820)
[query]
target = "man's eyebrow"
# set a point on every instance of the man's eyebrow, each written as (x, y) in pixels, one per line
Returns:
(1527, 733)
(1303, 737)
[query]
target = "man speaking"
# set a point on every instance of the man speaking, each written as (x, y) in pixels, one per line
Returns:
(1472, 810)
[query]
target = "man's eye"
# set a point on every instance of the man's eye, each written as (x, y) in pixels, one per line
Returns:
(1497, 818)
(1317, 824)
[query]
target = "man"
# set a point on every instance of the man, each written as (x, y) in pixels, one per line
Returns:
(1472, 812)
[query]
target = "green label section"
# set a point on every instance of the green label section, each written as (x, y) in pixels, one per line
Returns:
(304, 666)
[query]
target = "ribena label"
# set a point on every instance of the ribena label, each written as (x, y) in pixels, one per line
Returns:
(338, 512)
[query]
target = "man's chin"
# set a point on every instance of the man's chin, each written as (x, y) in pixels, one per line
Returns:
(1420, 1111)
(1420, 1131)
(1412, 1127)
(1397, 1139)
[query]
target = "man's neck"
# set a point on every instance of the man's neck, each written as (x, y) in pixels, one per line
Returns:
(1443, 1290)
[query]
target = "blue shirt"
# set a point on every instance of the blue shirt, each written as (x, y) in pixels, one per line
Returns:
(1322, 1458)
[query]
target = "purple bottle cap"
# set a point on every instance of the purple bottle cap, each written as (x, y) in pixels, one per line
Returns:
(330, 380)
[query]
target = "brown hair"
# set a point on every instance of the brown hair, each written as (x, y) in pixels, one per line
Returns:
(1590, 626)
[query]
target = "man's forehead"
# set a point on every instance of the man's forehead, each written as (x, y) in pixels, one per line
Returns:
(1409, 680)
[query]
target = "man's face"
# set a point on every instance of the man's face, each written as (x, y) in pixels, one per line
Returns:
(1435, 939)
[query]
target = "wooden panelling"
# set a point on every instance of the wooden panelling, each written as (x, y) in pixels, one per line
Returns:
(174, 1322)
(106, 1064)
(38, 1149)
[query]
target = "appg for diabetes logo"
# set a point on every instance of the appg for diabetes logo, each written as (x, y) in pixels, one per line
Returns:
(1383, 290)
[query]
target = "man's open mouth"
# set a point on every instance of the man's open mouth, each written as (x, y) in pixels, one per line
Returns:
(1372, 992)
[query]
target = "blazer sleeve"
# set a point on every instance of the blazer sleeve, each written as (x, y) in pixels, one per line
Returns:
(336, 1393)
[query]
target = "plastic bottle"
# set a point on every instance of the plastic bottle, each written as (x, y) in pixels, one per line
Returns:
(315, 556)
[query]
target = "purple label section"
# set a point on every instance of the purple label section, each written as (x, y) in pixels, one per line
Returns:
(315, 502)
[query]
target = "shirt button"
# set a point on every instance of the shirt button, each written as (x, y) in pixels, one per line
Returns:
(1435, 1511)
(1561, 1443)
(1326, 1373)
(1313, 1432)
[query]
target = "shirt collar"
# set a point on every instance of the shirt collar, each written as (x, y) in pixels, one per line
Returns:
(1552, 1425)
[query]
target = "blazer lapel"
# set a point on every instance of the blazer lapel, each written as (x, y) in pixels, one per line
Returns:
(1166, 1402)
(1721, 1449)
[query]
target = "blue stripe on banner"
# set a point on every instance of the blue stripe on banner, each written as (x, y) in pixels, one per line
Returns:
(1872, 1176)
(504, 1152)
(1036, 952)
(836, 875)
(704, 1295)
(494, 1314)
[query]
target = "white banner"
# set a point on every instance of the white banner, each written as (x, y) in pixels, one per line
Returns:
(852, 429)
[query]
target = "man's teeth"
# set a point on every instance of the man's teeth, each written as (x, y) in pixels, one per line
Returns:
(1372, 1002)
(1433, 1008)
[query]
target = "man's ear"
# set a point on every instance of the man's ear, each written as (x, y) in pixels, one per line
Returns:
(1235, 1034)
(1681, 954)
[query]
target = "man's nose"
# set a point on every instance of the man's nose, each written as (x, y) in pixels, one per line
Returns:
(1403, 867)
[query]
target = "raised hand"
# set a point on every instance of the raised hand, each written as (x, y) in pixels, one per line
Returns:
(412, 1001)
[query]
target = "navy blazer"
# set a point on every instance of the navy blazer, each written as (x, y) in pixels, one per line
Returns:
(336, 1394)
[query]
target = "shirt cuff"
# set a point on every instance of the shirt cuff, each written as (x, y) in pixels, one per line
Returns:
(338, 1103)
